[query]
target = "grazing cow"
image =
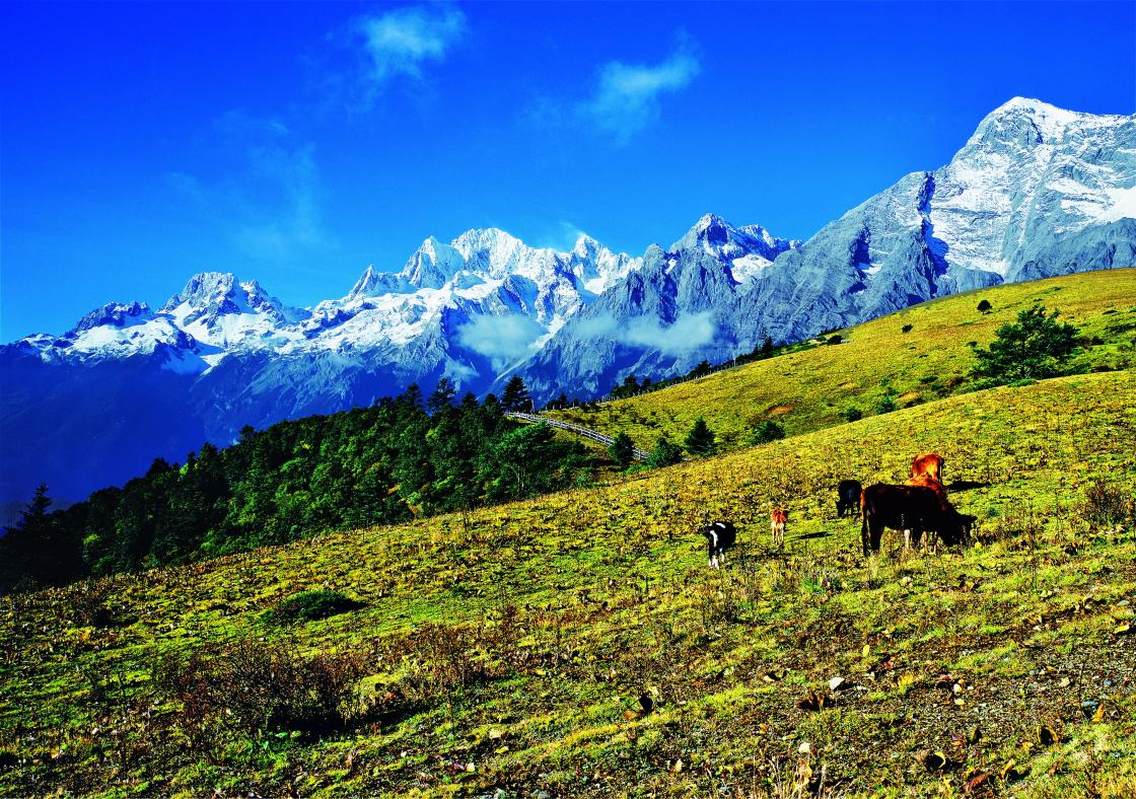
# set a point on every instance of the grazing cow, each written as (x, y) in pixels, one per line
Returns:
(777, 518)
(928, 464)
(720, 536)
(847, 497)
(913, 509)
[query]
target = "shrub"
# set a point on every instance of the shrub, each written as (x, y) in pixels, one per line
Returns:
(665, 453)
(906, 328)
(886, 403)
(1107, 505)
(311, 606)
(767, 431)
(836, 339)
(1033, 347)
(853, 414)
(255, 687)
(985, 306)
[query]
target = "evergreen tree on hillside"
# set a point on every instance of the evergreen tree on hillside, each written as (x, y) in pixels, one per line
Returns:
(516, 395)
(1034, 347)
(665, 453)
(442, 397)
(39, 550)
(700, 439)
(622, 450)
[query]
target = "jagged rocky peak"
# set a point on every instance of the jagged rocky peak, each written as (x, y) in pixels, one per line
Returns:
(715, 236)
(1026, 122)
(115, 314)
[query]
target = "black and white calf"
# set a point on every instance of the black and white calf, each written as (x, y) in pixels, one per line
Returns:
(720, 536)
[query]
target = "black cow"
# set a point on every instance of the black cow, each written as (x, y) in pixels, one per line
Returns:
(913, 509)
(720, 536)
(847, 497)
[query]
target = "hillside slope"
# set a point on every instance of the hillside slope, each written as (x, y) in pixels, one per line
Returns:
(504, 652)
(814, 388)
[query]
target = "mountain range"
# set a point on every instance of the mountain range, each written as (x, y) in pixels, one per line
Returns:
(1036, 191)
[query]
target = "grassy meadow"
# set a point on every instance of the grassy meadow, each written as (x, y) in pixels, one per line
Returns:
(577, 645)
(917, 355)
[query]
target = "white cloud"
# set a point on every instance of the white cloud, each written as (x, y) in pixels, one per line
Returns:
(627, 98)
(399, 42)
(503, 340)
(685, 334)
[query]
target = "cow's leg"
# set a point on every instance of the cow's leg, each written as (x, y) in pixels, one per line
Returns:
(906, 539)
(877, 532)
(864, 541)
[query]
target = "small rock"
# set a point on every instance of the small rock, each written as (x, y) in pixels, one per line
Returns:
(806, 748)
(835, 683)
(495, 734)
(1065, 682)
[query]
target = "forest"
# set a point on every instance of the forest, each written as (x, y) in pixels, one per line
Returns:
(402, 458)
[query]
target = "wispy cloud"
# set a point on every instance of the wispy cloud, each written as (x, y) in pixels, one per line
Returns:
(503, 340)
(265, 195)
(401, 41)
(683, 335)
(627, 97)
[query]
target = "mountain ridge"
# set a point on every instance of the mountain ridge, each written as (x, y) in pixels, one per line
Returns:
(1035, 191)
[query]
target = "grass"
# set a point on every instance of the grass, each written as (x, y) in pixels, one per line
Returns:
(510, 652)
(876, 363)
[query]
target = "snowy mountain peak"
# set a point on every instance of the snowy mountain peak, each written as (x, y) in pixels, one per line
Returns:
(115, 314)
(203, 289)
(1025, 122)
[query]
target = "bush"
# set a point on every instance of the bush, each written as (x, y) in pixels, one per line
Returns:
(886, 403)
(906, 328)
(622, 450)
(1107, 505)
(985, 306)
(700, 439)
(665, 453)
(255, 687)
(1034, 347)
(767, 431)
(834, 339)
(311, 606)
(853, 414)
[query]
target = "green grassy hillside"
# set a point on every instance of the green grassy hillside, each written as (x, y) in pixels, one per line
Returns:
(504, 652)
(813, 388)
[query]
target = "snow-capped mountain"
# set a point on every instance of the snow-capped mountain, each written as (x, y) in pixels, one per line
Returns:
(1035, 191)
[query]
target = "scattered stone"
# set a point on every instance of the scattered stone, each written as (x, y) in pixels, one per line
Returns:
(806, 748)
(836, 683)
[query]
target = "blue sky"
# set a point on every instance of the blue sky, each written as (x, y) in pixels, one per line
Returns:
(297, 143)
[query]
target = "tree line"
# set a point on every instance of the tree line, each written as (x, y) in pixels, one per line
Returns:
(404, 457)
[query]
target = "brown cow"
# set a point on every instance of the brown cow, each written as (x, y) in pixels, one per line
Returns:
(777, 518)
(927, 465)
(913, 509)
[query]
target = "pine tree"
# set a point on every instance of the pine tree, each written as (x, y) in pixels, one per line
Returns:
(1034, 347)
(622, 450)
(516, 396)
(700, 439)
(442, 397)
